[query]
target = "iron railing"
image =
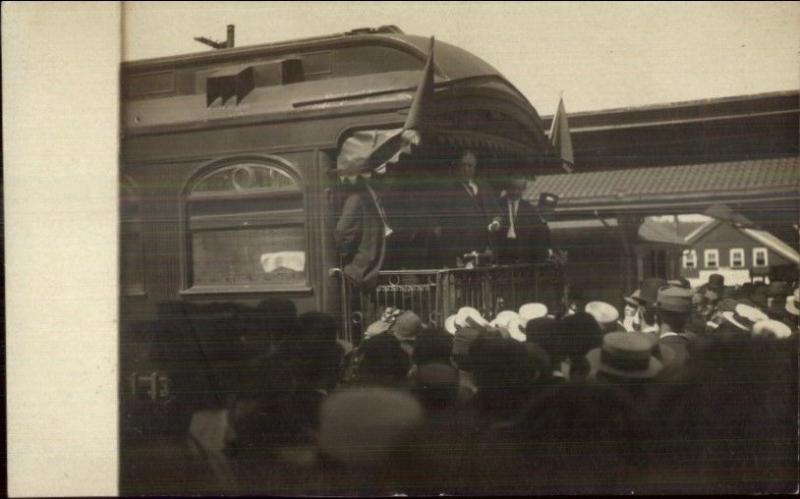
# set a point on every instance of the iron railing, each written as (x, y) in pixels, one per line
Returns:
(435, 294)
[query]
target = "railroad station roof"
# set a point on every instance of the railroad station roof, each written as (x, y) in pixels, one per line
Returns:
(671, 187)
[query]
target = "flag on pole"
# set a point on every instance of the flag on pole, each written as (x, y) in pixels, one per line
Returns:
(560, 137)
(370, 151)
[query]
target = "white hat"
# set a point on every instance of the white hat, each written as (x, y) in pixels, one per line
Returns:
(602, 312)
(515, 330)
(793, 302)
(503, 318)
(776, 329)
(744, 316)
(376, 328)
(450, 324)
(531, 311)
(470, 317)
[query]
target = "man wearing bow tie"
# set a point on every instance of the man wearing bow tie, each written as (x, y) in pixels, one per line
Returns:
(526, 237)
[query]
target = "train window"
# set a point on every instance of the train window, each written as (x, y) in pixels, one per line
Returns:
(131, 251)
(246, 229)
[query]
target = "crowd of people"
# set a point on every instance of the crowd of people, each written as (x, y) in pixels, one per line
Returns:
(687, 390)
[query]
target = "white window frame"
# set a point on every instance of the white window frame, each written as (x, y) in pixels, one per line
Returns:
(706, 254)
(689, 256)
(736, 251)
(758, 250)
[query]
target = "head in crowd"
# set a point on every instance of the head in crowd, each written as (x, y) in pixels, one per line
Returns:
(462, 342)
(578, 334)
(502, 373)
(674, 306)
(262, 414)
(363, 429)
(432, 346)
(314, 352)
(406, 328)
(624, 357)
(383, 361)
(545, 334)
(605, 314)
(280, 318)
(436, 385)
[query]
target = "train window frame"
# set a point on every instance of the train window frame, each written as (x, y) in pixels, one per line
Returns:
(244, 220)
(130, 224)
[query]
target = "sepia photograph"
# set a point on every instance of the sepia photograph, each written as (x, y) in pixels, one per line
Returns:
(396, 249)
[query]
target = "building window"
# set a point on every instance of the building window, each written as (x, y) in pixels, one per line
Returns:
(737, 258)
(131, 275)
(246, 229)
(689, 259)
(760, 258)
(711, 257)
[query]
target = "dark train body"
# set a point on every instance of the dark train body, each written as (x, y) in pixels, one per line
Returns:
(229, 192)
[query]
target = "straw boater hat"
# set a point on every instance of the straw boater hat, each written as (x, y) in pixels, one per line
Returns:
(516, 331)
(624, 355)
(470, 317)
(793, 303)
(450, 324)
(503, 318)
(744, 317)
(376, 328)
(531, 311)
(773, 328)
(602, 312)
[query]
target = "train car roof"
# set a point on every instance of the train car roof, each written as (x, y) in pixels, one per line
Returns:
(451, 62)
(315, 76)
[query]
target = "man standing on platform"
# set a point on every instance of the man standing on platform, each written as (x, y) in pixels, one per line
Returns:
(527, 237)
(469, 213)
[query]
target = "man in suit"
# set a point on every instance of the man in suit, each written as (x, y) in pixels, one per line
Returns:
(361, 234)
(526, 237)
(673, 309)
(468, 212)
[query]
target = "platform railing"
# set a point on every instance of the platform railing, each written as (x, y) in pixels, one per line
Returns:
(435, 294)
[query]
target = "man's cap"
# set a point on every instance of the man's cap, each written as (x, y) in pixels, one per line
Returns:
(674, 299)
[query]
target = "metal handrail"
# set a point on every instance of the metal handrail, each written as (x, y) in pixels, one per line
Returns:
(435, 294)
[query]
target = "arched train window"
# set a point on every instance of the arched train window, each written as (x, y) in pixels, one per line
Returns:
(246, 229)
